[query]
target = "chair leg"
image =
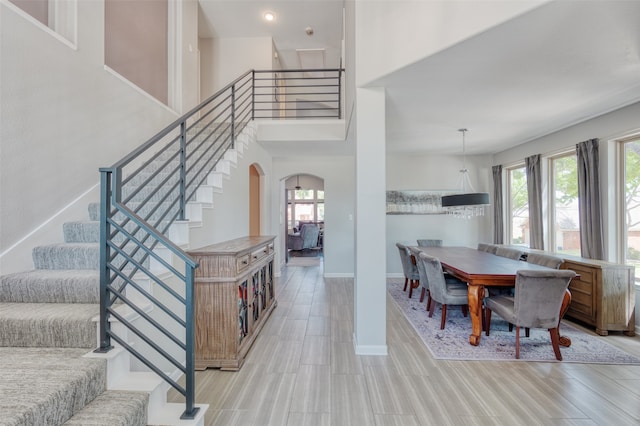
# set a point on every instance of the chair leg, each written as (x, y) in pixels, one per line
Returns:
(429, 299)
(422, 294)
(555, 342)
(406, 281)
(465, 310)
(443, 319)
(487, 320)
(517, 342)
(431, 307)
(526, 331)
(510, 327)
(410, 288)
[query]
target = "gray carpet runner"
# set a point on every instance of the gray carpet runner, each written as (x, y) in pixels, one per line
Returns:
(46, 326)
(67, 256)
(45, 386)
(113, 408)
(60, 325)
(51, 286)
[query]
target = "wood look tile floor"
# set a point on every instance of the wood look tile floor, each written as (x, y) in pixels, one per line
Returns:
(302, 370)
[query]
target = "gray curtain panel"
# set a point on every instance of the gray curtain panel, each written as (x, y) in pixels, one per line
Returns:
(590, 206)
(534, 189)
(498, 214)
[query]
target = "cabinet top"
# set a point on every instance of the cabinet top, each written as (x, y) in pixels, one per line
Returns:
(234, 246)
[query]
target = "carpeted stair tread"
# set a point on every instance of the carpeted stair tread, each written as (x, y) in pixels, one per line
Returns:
(51, 286)
(67, 256)
(114, 408)
(62, 325)
(85, 231)
(47, 386)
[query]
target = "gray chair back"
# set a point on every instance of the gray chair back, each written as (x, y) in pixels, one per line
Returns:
(309, 233)
(489, 248)
(511, 253)
(545, 260)
(429, 243)
(437, 283)
(408, 268)
(538, 297)
(424, 280)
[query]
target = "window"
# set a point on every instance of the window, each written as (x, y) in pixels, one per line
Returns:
(563, 212)
(518, 206)
(305, 205)
(631, 202)
(59, 16)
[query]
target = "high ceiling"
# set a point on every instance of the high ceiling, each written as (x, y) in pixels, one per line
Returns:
(557, 65)
(245, 18)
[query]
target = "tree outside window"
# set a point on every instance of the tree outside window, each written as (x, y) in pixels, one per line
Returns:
(519, 206)
(632, 202)
(565, 224)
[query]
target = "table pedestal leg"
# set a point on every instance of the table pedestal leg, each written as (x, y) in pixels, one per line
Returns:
(476, 294)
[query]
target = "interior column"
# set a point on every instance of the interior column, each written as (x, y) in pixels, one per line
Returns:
(370, 328)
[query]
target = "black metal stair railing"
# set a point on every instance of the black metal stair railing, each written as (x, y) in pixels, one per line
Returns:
(145, 196)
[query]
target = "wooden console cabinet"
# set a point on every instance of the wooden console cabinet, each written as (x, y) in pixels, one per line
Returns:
(603, 295)
(234, 296)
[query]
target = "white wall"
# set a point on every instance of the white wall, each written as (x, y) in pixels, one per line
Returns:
(225, 59)
(63, 116)
(402, 32)
(430, 172)
(339, 187)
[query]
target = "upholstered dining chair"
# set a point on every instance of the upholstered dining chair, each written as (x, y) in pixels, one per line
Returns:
(429, 243)
(545, 260)
(442, 291)
(409, 269)
(424, 281)
(489, 248)
(536, 304)
(511, 253)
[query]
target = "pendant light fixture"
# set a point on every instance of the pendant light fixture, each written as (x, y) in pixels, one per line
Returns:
(468, 203)
(298, 187)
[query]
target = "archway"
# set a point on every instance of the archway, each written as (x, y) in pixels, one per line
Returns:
(255, 198)
(304, 205)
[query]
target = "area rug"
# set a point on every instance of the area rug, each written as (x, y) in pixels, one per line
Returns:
(452, 343)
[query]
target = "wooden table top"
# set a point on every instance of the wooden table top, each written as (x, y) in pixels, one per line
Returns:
(478, 267)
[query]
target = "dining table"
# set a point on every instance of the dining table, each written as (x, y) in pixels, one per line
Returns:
(480, 269)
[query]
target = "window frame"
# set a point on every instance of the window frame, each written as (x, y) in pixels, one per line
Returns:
(292, 201)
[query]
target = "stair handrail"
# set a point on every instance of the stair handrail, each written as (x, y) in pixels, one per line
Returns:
(135, 221)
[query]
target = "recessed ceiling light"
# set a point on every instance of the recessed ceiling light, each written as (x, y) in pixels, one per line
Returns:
(269, 16)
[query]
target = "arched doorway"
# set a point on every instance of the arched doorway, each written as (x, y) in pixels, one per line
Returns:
(254, 200)
(304, 205)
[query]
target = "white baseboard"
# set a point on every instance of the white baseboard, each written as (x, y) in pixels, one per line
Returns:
(379, 350)
(338, 275)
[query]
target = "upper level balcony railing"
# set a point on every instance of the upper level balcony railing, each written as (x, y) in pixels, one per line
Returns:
(298, 94)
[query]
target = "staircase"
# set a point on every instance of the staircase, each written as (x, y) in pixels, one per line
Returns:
(48, 330)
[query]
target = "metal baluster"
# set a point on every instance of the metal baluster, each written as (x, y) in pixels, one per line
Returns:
(190, 392)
